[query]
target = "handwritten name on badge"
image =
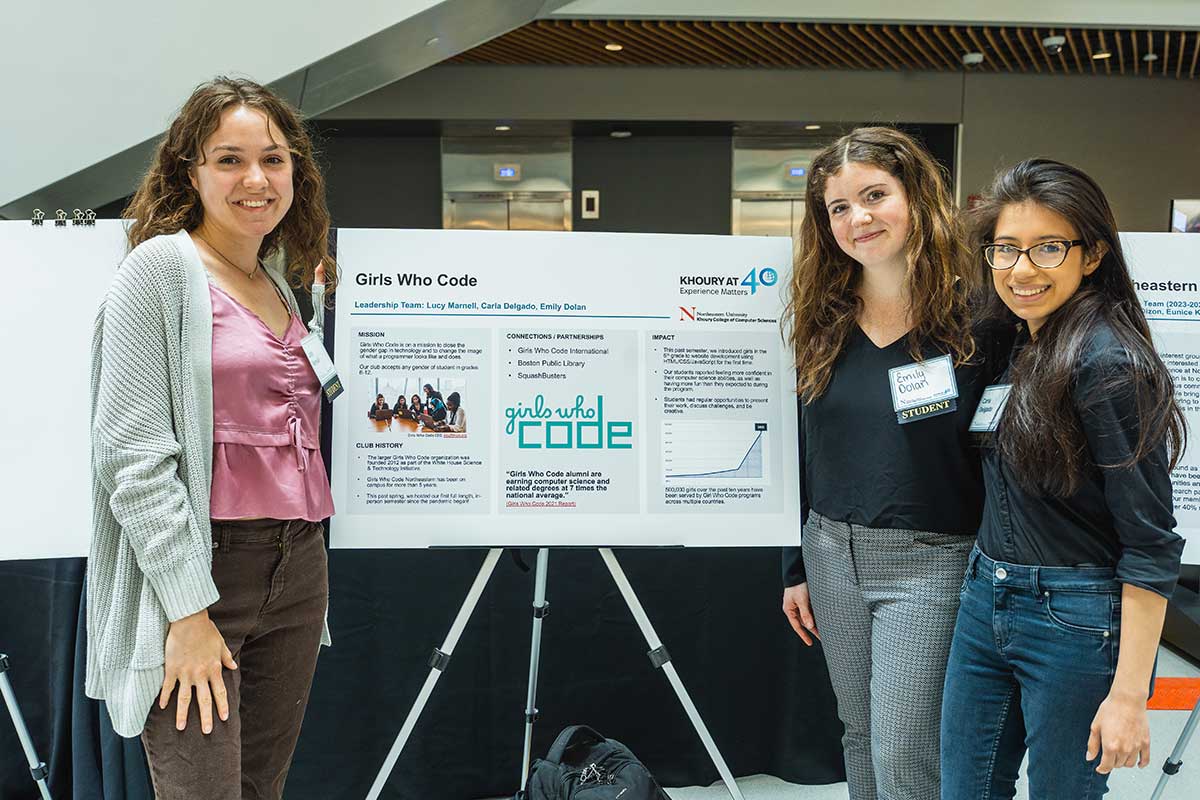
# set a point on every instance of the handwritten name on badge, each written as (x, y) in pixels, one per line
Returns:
(991, 406)
(923, 389)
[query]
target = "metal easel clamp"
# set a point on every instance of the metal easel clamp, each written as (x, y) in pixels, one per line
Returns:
(3, 663)
(1171, 767)
(40, 772)
(532, 717)
(541, 611)
(659, 656)
(439, 660)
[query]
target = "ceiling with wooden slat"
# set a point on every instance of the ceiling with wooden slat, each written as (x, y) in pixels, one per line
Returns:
(792, 45)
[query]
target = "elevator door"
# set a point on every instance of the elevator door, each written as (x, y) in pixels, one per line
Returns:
(507, 211)
(771, 217)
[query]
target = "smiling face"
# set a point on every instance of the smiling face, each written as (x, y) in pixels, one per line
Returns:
(244, 176)
(1030, 292)
(868, 214)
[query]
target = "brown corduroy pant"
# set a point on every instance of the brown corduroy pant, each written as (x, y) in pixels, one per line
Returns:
(274, 585)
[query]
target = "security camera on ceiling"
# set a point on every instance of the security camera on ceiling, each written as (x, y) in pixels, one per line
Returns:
(1054, 44)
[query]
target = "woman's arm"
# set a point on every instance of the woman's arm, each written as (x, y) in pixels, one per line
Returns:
(135, 451)
(1121, 729)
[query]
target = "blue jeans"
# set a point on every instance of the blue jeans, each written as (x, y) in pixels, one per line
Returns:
(1033, 656)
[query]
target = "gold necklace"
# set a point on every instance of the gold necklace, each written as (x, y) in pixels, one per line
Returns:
(229, 261)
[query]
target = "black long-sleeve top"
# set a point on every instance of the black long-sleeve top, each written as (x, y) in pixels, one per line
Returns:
(1120, 516)
(860, 465)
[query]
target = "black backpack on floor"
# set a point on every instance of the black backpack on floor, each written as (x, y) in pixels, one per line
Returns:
(583, 765)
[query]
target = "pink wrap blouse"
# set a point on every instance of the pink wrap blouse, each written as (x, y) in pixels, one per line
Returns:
(266, 420)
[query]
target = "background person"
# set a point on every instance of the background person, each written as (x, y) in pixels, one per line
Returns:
(378, 406)
(415, 406)
(1063, 603)
(435, 407)
(456, 417)
(207, 577)
(881, 285)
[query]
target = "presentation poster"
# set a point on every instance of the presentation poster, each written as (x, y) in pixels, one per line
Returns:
(1166, 274)
(517, 388)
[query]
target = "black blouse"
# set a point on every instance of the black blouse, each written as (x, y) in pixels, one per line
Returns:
(859, 464)
(1120, 516)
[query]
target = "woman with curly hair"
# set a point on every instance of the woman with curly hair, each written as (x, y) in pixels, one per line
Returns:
(207, 578)
(889, 374)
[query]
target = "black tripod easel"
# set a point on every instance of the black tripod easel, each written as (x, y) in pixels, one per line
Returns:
(441, 658)
(1175, 760)
(37, 768)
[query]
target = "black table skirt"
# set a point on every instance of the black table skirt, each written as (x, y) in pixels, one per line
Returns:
(764, 696)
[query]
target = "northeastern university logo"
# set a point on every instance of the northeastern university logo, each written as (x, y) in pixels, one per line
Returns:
(687, 313)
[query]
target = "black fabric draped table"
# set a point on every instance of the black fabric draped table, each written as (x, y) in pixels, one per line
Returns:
(764, 696)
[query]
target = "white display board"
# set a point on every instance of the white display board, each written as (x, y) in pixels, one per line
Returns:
(618, 389)
(1166, 274)
(56, 278)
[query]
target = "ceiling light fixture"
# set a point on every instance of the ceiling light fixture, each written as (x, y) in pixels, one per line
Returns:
(1101, 54)
(621, 134)
(1150, 57)
(972, 58)
(1054, 44)
(432, 41)
(504, 127)
(813, 127)
(613, 47)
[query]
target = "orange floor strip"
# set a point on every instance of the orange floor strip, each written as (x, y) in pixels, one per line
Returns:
(1174, 694)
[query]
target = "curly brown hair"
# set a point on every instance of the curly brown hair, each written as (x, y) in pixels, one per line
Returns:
(823, 304)
(166, 201)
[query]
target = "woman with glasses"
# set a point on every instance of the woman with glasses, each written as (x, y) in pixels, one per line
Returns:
(889, 374)
(1063, 601)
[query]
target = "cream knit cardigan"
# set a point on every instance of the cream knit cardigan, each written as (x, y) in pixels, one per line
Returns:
(152, 441)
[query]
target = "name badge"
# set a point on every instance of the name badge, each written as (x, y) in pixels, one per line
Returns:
(923, 389)
(322, 364)
(991, 406)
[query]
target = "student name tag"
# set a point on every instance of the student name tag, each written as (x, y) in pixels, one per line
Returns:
(991, 406)
(322, 364)
(923, 389)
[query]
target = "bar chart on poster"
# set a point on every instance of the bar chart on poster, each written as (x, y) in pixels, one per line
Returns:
(563, 389)
(714, 450)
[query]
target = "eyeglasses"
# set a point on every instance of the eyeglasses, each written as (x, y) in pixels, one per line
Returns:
(1045, 255)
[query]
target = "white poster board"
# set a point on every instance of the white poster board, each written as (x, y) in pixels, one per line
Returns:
(55, 280)
(1166, 274)
(618, 389)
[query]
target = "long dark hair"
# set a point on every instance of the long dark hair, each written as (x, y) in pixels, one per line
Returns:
(823, 304)
(1040, 432)
(166, 201)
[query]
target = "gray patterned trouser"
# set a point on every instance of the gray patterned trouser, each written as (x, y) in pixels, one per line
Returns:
(885, 603)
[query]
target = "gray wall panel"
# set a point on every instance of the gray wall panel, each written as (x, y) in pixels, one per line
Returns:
(384, 182)
(659, 184)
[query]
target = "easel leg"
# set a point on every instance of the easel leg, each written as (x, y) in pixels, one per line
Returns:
(659, 658)
(1175, 760)
(36, 767)
(437, 663)
(540, 609)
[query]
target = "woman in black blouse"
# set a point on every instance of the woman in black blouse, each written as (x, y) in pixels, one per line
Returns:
(889, 373)
(1064, 598)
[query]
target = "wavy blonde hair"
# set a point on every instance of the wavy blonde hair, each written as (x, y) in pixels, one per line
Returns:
(166, 202)
(823, 304)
